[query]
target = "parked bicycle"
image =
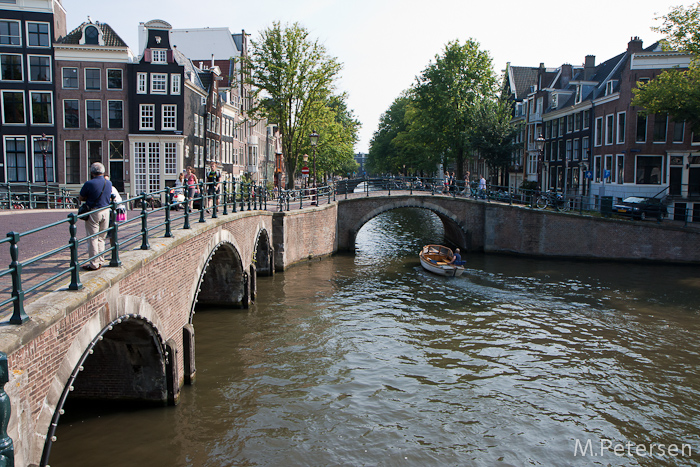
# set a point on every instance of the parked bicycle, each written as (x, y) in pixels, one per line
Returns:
(555, 200)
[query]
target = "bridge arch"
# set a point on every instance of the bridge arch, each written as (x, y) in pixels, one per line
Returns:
(119, 354)
(221, 278)
(456, 231)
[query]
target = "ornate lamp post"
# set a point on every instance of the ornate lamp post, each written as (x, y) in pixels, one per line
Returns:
(539, 143)
(313, 137)
(306, 161)
(44, 147)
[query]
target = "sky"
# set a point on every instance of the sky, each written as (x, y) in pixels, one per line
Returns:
(384, 44)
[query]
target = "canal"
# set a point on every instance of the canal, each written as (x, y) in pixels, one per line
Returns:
(366, 359)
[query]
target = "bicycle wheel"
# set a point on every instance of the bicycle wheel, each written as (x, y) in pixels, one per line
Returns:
(541, 202)
(564, 205)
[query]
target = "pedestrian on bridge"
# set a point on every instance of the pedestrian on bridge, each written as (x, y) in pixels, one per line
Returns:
(96, 192)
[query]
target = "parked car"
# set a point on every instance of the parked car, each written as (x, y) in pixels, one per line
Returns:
(641, 208)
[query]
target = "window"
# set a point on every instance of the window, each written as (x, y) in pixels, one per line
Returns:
(11, 67)
(569, 123)
(147, 117)
(174, 84)
(38, 34)
(577, 150)
(72, 154)
(621, 127)
(660, 127)
(585, 148)
(153, 166)
(116, 164)
(609, 129)
(586, 119)
(16, 159)
(561, 126)
(578, 94)
(141, 83)
(568, 149)
(169, 117)
(42, 108)
(70, 78)
(598, 131)
(39, 68)
(115, 110)
(93, 113)
(620, 169)
(577, 121)
(608, 169)
(678, 131)
(94, 152)
(13, 107)
(71, 113)
(648, 170)
(39, 160)
(159, 56)
(116, 149)
(598, 168)
(170, 158)
(555, 128)
(92, 35)
(139, 155)
(610, 87)
(92, 79)
(9, 33)
(196, 125)
(159, 83)
(114, 79)
(641, 135)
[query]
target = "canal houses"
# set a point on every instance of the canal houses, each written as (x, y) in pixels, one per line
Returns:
(594, 143)
(92, 96)
(27, 94)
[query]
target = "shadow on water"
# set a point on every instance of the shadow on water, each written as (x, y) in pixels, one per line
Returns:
(367, 359)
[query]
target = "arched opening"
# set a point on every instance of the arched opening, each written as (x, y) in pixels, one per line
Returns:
(223, 282)
(125, 365)
(92, 35)
(264, 261)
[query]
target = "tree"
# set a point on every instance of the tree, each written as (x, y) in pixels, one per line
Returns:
(338, 130)
(676, 92)
(493, 133)
(383, 152)
(292, 79)
(446, 95)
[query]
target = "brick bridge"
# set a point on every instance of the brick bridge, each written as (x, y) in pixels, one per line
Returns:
(127, 334)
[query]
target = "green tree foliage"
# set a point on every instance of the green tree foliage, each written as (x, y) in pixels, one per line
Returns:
(446, 96)
(293, 80)
(338, 130)
(384, 154)
(676, 92)
(492, 133)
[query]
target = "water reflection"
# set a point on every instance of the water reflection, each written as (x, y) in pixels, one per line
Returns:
(366, 359)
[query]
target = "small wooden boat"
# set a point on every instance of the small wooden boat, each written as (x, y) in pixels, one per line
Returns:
(437, 259)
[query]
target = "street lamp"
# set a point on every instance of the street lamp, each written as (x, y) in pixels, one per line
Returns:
(539, 143)
(313, 137)
(44, 147)
(306, 160)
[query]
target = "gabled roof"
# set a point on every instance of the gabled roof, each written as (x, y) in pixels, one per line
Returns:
(521, 78)
(110, 37)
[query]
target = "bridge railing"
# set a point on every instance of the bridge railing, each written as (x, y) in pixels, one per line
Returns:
(23, 195)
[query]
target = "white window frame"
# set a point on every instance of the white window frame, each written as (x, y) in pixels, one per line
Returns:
(63, 106)
(24, 106)
(31, 108)
(175, 84)
(609, 129)
(21, 64)
(159, 56)
(86, 114)
(196, 125)
(620, 139)
(85, 82)
(170, 157)
(144, 117)
(598, 130)
(19, 36)
(168, 113)
(156, 80)
(77, 77)
(26, 28)
(29, 69)
(141, 83)
(121, 72)
(108, 119)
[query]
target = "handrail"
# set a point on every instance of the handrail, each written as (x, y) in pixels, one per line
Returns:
(155, 217)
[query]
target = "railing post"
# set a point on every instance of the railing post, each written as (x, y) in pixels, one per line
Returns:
(10, 204)
(168, 227)
(249, 194)
(225, 198)
(389, 186)
(113, 237)
(144, 224)
(18, 314)
(301, 199)
(73, 241)
(234, 195)
(32, 201)
(346, 189)
(214, 203)
(46, 188)
(186, 222)
(7, 449)
(201, 202)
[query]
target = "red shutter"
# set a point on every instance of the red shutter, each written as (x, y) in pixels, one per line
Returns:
(147, 55)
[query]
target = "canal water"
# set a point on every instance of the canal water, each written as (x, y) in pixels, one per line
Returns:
(367, 360)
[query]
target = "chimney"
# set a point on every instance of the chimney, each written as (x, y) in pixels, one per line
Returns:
(212, 60)
(634, 45)
(540, 75)
(566, 73)
(589, 67)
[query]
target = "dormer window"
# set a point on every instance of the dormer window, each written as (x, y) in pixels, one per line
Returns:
(92, 35)
(159, 56)
(554, 101)
(578, 94)
(609, 87)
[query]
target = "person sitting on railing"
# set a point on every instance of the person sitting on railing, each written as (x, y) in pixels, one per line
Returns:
(117, 198)
(96, 192)
(178, 191)
(213, 184)
(191, 180)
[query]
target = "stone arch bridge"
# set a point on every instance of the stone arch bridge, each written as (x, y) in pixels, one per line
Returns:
(127, 335)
